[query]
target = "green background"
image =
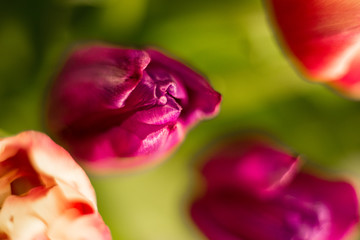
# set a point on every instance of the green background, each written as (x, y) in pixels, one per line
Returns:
(228, 41)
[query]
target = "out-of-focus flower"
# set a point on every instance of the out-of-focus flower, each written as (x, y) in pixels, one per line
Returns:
(44, 194)
(255, 191)
(322, 38)
(120, 108)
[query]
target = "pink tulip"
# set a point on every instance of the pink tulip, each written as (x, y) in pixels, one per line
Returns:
(44, 194)
(322, 38)
(116, 108)
(254, 190)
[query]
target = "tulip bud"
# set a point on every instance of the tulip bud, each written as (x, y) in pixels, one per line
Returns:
(253, 190)
(44, 194)
(322, 39)
(117, 108)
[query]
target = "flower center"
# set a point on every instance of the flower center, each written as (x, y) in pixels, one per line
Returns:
(22, 185)
(18, 175)
(162, 100)
(166, 85)
(165, 89)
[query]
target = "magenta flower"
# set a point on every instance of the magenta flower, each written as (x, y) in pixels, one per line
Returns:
(255, 191)
(121, 108)
(322, 39)
(44, 194)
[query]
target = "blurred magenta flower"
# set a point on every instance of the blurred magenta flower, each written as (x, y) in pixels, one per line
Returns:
(44, 194)
(117, 108)
(322, 38)
(255, 191)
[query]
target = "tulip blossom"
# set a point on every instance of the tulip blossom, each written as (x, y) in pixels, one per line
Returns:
(44, 194)
(322, 38)
(116, 108)
(255, 190)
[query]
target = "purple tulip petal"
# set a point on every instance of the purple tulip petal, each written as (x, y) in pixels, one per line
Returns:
(338, 199)
(158, 115)
(237, 203)
(208, 223)
(242, 216)
(202, 100)
(93, 80)
(252, 165)
(110, 104)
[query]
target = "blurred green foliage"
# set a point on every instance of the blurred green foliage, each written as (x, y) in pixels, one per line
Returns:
(228, 41)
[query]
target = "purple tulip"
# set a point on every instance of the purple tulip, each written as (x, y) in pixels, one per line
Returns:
(116, 108)
(254, 191)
